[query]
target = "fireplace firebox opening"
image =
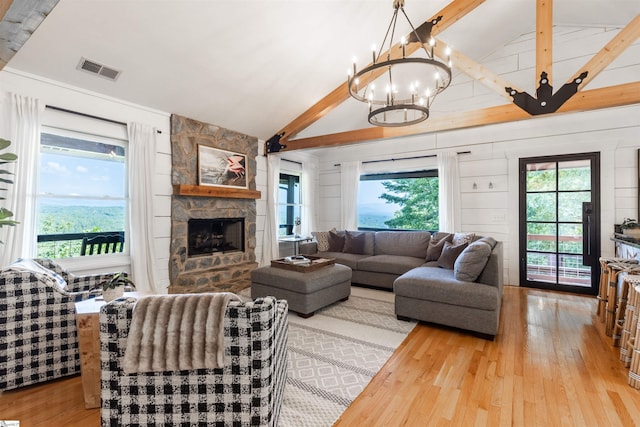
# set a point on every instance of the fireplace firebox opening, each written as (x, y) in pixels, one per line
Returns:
(209, 236)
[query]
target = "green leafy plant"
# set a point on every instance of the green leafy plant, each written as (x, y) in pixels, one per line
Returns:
(119, 279)
(5, 158)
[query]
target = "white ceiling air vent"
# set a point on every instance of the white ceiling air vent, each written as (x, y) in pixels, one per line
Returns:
(94, 67)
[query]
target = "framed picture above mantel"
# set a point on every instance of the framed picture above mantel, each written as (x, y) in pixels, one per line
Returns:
(221, 168)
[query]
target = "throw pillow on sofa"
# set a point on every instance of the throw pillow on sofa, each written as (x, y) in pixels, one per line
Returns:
(336, 242)
(450, 253)
(472, 261)
(489, 240)
(460, 238)
(354, 243)
(322, 238)
(434, 250)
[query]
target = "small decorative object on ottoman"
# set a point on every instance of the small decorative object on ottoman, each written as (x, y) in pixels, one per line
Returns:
(306, 291)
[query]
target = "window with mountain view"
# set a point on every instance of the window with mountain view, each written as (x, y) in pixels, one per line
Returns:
(399, 201)
(81, 191)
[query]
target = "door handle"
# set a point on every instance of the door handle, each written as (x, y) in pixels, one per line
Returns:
(587, 238)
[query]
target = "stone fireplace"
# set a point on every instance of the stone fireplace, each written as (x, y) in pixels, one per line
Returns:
(213, 232)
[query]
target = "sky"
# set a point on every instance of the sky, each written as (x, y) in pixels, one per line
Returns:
(368, 200)
(73, 176)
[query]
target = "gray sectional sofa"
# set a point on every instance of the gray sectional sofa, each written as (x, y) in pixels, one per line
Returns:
(427, 290)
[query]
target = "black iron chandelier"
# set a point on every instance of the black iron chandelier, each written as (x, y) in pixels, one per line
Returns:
(400, 89)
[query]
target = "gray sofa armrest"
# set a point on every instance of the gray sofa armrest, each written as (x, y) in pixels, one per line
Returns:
(493, 273)
(308, 248)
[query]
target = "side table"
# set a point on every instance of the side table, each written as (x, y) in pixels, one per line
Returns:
(296, 241)
(88, 325)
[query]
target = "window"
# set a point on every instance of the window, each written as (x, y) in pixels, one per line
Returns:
(289, 203)
(81, 191)
(401, 201)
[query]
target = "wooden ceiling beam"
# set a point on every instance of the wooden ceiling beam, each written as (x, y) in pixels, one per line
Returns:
(4, 7)
(476, 71)
(451, 14)
(607, 97)
(601, 60)
(544, 40)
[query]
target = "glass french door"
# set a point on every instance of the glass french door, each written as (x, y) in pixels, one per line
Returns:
(560, 222)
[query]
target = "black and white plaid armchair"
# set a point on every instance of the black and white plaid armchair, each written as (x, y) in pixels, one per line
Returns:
(247, 391)
(38, 336)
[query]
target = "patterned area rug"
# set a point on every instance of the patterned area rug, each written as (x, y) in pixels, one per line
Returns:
(335, 353)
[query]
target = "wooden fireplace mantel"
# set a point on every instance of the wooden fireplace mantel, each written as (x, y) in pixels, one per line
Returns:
(207, 191)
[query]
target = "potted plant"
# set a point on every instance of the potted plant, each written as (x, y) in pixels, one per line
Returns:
(6, 214)
(630, 227)
(114, 287)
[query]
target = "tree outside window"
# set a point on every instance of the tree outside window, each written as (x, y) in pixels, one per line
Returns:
(402, 201)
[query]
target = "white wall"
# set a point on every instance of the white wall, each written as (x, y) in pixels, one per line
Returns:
(71, 98)
(495, 149)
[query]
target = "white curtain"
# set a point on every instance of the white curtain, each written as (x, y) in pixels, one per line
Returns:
(19, 241)
(140, 166)
(349, 181)
(449, 192)
(309, 195)
(270, 248)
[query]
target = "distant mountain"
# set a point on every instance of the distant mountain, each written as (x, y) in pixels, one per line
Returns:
(57, 219)
(377, 208)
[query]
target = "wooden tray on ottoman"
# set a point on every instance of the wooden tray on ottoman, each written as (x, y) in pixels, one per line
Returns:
(316, 263)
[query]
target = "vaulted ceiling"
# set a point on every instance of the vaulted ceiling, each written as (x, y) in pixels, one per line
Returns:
(263, 67)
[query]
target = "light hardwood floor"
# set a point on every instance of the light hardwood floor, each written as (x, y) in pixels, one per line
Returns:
(550, 365)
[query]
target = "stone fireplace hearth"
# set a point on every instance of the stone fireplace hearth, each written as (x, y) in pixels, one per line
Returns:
(223, 268)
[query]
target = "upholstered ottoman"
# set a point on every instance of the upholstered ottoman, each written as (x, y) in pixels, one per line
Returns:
(306, 292)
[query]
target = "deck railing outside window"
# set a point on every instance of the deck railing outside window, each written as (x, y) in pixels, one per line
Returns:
(65, 245)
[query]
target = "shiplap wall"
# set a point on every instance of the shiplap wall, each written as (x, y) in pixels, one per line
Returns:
(494, 211)
(495, 150)
(63, 96)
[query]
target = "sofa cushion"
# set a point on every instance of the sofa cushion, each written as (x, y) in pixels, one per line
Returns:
(450, 253)
(472, 261)
(392, 264)
(350, 260)
(434, 250)
(440, 285)
(354, 242)
(336, 242)
(403, 243)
